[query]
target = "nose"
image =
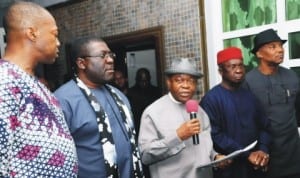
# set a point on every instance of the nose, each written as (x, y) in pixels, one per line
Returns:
(239, 70)
(185, 84)
(280, 49)
(57, 42)
(109, 59)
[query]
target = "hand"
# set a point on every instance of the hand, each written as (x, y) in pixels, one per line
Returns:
(188, 129)
(222, 164)
(259, 160)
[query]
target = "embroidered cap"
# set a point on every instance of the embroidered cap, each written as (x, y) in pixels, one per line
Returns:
(229, 53)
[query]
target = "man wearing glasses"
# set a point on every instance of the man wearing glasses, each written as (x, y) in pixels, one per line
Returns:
(98, 114)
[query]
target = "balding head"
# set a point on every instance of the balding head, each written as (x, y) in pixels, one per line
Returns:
(22, 15)
(31, 31)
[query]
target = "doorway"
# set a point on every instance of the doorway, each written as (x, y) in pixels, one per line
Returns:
(138, 49)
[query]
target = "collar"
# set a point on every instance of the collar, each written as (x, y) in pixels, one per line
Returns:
(173, 99)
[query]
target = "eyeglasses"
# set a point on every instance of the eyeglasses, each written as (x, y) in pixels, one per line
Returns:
(103, 55)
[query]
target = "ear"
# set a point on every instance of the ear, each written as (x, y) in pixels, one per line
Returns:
(258, 54)
(220, 69)
(168, 81)
(31, 33)
(81, 63)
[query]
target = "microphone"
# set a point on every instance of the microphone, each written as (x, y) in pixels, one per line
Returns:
(192, 108)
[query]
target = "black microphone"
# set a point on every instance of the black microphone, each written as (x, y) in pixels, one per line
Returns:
(192, 108)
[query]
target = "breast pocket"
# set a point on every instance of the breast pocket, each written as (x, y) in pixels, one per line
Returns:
(278, 94)
(292, 94)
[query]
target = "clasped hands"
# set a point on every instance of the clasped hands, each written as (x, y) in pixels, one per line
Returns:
(259, 160)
